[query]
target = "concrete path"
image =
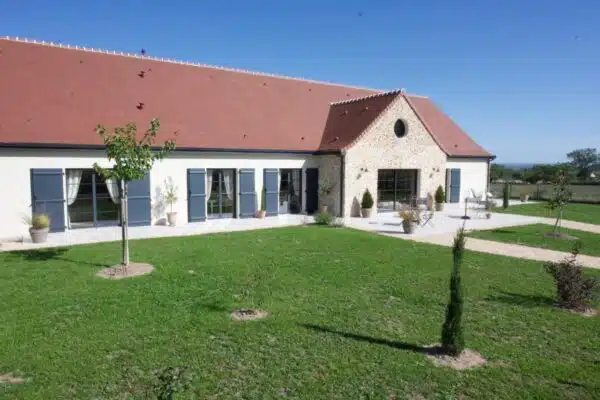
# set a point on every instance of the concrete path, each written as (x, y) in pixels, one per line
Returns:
(508, 249)
(573, 225)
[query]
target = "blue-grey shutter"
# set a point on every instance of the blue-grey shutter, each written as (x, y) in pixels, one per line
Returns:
(138, 202)
(247, 193)
(47, 195)
(271, 182)
(455, 185)
(196, 180)
(312, 190)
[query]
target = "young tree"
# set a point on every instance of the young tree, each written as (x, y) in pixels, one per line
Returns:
(453, 342)
(505, 195)
(560, 197)
(132, 160)
(583, 160)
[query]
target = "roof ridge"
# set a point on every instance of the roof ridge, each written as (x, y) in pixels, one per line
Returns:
(417, 95)
(180, 62)
(356, 99)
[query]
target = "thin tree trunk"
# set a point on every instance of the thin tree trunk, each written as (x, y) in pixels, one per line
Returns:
(557, 224)
(124, 223)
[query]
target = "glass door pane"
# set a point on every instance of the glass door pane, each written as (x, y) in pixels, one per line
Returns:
(107, 212)
(227, 193)
(212, 186)
(80, 200)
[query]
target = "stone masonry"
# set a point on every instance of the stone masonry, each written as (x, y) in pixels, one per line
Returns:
(379, 148)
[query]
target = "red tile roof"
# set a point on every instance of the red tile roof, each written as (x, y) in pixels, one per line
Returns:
(347, 120)
(57, 95)
(449, 136)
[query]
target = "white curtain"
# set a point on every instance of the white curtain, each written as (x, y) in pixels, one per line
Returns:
(227, 179)
(73, 183)
(209, 180)
(113, 190)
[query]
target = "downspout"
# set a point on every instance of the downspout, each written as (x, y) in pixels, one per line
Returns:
(489, 172)
(342, 173)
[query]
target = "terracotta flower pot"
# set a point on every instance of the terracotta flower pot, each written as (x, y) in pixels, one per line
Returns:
(172, 218)
(261, 213)
(39, 235)
(408, 226)
(439, 206)
(366, 212)
(323, 208)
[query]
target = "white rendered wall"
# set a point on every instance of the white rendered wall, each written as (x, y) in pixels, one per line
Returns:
(15, 185)
(473, 175)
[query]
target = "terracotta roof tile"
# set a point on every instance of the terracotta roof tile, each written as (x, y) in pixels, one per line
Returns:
(59, 95)
(449, 136)
(348, 119)
(56, 94)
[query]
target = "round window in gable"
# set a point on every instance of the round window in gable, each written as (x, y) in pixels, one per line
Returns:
(400, 128)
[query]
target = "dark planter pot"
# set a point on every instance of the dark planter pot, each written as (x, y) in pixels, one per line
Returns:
(408, 226)
(366, 212)
(439, 206)
(39, 235)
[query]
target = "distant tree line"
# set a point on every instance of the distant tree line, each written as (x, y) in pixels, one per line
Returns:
(583, 166)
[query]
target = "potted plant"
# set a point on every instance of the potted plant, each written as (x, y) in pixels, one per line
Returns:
(171, 198)
(366, 204)
(408, 221)
(524, 196)
(430, 202)
(325, 189)
(263, 204)
(440, 197)
(39, 225)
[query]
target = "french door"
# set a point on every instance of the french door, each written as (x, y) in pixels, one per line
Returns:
(395, 187)
(91, 201)
(290, 191)
(220, 193)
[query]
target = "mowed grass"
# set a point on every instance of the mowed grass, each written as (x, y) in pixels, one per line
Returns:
(349, 312)
(534, 236)
(588, 213)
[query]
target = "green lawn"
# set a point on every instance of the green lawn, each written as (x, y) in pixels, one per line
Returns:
(533, 235)
(350, 310)
(589, 213)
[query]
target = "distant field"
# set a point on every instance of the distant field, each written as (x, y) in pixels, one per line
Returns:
(582, 193)
(588, 213)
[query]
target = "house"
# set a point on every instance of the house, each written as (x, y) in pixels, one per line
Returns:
(237, 132)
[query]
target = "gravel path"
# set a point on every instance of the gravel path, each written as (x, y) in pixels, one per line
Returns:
(510, 250)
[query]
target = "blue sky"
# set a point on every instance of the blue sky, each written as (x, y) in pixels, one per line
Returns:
(521, 76)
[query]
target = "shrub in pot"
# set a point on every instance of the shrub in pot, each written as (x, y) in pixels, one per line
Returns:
(39, 226)
(408, 220)
(440, 197)
(366, 204)
(171, 198)
(263, 204)
(524, 196)
(325, 190)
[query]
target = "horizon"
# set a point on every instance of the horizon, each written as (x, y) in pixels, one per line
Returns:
(490, 77)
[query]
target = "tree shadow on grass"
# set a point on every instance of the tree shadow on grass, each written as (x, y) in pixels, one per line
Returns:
(519, 299)
(396, 344)
(48, 254)
(503, 231)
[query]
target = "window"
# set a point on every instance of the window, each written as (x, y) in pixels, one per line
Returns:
(400, 128)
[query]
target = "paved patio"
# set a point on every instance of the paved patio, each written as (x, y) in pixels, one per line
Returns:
(440, 231)
(445, 224)
(108, 234)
